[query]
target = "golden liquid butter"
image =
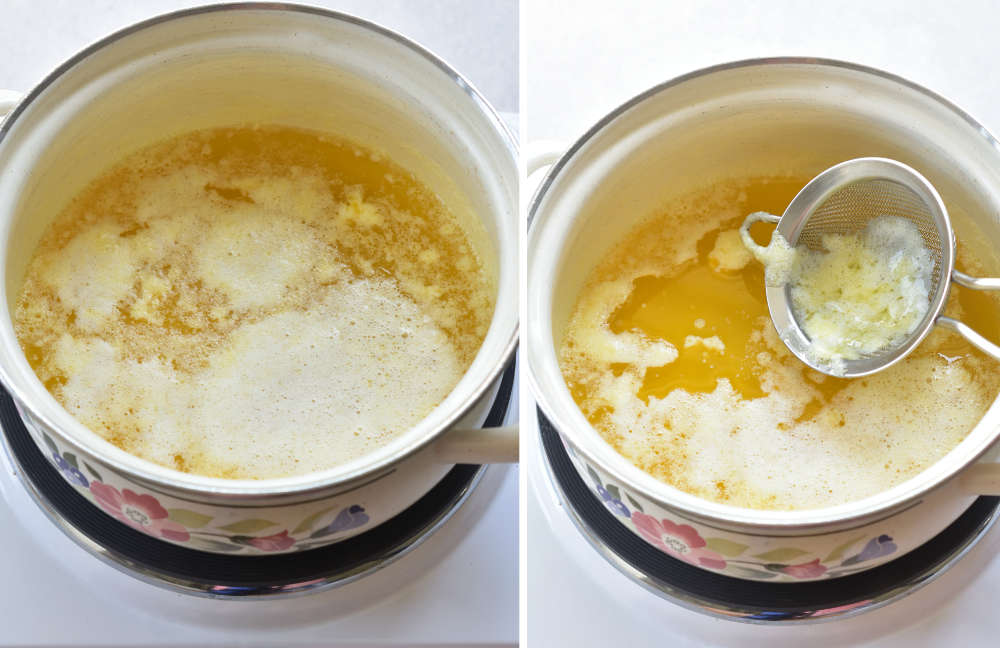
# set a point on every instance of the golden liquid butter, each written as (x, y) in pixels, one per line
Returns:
(671, 355)
(253, 302)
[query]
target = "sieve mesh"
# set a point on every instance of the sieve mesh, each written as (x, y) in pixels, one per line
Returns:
(843, 200)
(849, 208)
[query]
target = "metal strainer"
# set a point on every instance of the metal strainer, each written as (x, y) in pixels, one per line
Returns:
(842, 200)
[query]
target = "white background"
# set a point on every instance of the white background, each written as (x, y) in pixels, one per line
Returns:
(583, 58)
(459, 588)
(478, 38)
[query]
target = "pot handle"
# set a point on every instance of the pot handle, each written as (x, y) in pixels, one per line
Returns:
(538, 155)
(9, 99)
(542, 153)
(479, 446)
(982, 477)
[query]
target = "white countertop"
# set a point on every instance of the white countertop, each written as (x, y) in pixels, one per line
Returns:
(459, 588)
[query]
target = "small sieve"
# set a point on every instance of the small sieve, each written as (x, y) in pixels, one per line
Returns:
(842, 200)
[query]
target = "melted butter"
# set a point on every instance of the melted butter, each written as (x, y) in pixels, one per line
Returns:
(253, 302)
(667, 307)
(749, 424)
(729, 303)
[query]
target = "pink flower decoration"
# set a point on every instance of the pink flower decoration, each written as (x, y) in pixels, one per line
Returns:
(805, 570)
(679, 540)
(142, 512)
(276, 542)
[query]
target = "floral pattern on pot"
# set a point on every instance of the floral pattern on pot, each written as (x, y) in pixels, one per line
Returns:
(350, 518)
(876, 548)
(142, 512)
(678, 540)
(277, 542)
(811, 569)
(683, 541)
(70, 470)
(146, 512)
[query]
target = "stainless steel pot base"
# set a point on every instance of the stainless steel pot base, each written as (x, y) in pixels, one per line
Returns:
(221, 576)
(754, 601)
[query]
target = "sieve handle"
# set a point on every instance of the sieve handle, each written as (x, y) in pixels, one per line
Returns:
(757, 217)
(760, 216)
(974, 338)
(984, 283)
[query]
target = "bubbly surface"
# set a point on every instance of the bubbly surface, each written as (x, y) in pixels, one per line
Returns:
(671, 355)
(252, 303)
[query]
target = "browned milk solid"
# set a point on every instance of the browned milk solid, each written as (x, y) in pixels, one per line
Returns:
(253, 303)
(671, 355)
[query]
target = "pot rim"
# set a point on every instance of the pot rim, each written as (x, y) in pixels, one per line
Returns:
(310, 484)
(586, 440)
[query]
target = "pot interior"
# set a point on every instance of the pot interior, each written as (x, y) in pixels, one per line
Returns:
(791, 118)
(239, 66)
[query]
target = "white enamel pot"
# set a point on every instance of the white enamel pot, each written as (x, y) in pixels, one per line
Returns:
(774, 116)
(268, 63)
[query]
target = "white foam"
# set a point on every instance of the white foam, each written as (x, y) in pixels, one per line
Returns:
(92, 294)
(790, 448)
(713, 343)
(255, 257)
(249, 324)
(753, 452)
(729, 253)
(627, 347)
(292, 393)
